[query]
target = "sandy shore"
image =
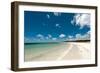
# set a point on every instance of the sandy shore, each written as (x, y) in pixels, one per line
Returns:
(64, 51)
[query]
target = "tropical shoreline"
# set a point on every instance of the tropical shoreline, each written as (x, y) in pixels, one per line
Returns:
(60, 51)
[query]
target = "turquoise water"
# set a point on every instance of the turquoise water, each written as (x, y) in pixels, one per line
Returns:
(36, 48)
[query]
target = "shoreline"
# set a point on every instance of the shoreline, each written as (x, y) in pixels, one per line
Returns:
(63, 51)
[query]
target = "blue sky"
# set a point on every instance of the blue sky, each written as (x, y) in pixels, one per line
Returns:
(55, 26)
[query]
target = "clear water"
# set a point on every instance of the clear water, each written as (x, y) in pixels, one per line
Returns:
(36, 48)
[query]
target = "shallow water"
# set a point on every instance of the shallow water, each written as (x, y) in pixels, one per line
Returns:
(39, 47)
(34, 49)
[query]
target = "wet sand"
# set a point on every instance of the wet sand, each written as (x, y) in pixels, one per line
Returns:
(63, 51)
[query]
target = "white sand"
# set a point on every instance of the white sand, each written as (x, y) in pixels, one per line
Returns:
(65, 51)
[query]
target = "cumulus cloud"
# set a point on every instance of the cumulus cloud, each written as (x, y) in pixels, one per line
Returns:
(50, 36)
(47, 38)
(40, 36)
(54, 39)
(28, 40)
(48, 16)
(87, 36)
(57, 13)
(83, 37)
(62, 35)
(88, 32)
(57, 25)
(70, 37)
(78, 36)
(81, 20)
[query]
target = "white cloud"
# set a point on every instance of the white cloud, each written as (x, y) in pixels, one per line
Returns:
(57, 25)
(70, 37)
(87, 36)
(40, 36)
(54, 39)
(88, 32)
(49, 36)
(28, 40)
(81, 20)
(78, 36)
(62, 35)
(83, 37)
(57, 13)
(48, 16)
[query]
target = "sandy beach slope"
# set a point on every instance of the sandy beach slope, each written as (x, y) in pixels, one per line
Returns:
(63, 51)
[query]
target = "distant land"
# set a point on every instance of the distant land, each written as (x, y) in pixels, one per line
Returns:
(77, 41)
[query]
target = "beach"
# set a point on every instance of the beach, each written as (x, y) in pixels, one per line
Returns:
(57, 51)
